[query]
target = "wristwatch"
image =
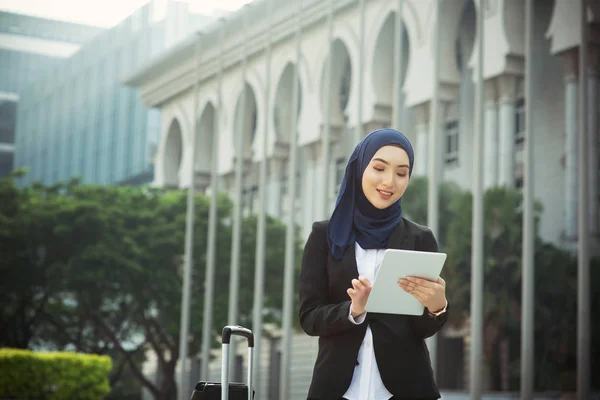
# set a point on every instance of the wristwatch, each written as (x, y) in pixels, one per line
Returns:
(441, 312)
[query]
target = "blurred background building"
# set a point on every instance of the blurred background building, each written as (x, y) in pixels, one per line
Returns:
(29, 46)
(75, 119)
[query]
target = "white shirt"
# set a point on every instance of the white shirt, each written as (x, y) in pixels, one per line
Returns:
(366, 381)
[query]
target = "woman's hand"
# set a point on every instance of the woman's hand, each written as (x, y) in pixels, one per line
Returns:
(431, 294)
(359, 293)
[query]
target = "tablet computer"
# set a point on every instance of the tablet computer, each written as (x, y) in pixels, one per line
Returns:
(389, 298)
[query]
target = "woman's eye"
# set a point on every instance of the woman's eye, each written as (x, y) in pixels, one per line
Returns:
(378, 169)
(401, 175)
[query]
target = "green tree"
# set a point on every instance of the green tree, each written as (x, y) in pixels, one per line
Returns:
(112, 271)
(414, 204)
(555, 292)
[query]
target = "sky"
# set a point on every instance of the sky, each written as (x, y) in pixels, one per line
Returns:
(103, 13)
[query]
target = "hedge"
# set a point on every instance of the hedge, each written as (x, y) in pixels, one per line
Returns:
(26, 374)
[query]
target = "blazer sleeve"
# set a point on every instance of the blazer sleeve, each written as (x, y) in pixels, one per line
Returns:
(427, 324)
(318, 317)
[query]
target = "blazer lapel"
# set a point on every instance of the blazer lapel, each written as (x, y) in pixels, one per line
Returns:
(399, 238)
(349, 262)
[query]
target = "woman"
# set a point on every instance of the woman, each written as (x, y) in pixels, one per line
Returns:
(369, 355)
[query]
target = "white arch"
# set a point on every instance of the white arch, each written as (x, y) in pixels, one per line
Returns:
(279, 82)
(386, 10)
(419, 82)
(304, 71)
(345, 34)
(207, 133)
(410, 17)
(451, 15)
(177, 113)
(306, 90)
(255, 82)
(173, 148)
(205, 99)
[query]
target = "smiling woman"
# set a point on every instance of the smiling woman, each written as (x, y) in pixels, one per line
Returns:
(375, 356)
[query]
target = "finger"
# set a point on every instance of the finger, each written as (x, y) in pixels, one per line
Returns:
(364, 281)
(421, 290)
(361, 286)
(441, 281)
(351, 292)
(425, 284)
(419, 281)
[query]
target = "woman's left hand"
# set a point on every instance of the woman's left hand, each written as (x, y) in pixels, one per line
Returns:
(431, 294)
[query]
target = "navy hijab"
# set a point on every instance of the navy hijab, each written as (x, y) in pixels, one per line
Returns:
(354, 218)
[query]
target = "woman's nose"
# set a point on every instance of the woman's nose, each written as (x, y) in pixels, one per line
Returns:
(388, 180)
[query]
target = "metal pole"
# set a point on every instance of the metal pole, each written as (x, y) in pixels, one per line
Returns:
(528, 272)
(209, 280)
(477, 260)
(326, 192)
(583, 259)
(434, 158)
(358, 133)
(189, 241)
(259, 268)
(398, 61)
(236, 238)
(290, 238)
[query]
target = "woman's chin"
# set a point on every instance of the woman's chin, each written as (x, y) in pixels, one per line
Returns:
(381, 204)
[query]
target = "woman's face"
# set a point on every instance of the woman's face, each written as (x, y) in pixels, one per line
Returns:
(386, 177)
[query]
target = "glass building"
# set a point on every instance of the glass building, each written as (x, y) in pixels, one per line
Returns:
(78, 120)
(28, 47)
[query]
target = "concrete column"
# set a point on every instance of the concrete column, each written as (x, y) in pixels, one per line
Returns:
(593, 137)
(422, 131)
(507, 85)
(315, 164)
(491, 135)
(276, 169)
(571, 151)
(311, 186)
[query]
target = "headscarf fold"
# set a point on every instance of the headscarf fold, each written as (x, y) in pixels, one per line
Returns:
(354, 218)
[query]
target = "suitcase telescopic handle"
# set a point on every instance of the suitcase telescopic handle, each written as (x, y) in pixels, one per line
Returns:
(232, 330)
(228, 331)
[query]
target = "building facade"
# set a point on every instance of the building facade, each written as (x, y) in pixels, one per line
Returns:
(29, 46)
(265, 113)
(78, 121)
(167, 84)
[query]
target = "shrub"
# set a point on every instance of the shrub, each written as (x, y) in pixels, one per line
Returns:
(26, 374)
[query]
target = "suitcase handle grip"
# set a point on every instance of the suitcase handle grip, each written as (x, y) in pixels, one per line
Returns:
(232, 330)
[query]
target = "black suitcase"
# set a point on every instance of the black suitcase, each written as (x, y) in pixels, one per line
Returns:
(224, 390)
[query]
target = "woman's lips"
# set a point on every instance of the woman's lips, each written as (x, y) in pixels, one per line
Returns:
(384, 194)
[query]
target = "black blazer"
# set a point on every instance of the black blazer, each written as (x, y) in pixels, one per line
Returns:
(398, 340)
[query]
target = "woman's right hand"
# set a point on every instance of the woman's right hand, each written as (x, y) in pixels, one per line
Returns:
(359, 293)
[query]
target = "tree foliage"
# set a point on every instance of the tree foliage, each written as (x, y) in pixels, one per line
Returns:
(555, 285)
(99, 269)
